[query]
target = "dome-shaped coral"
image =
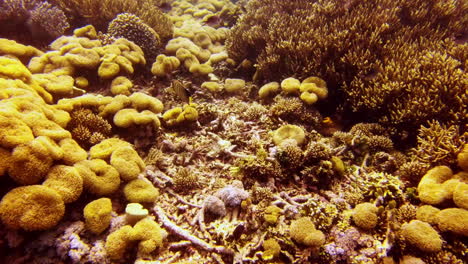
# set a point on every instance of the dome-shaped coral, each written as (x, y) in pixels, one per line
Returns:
(33, 207)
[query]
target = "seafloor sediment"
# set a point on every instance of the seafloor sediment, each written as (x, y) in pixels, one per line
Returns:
(219, 131)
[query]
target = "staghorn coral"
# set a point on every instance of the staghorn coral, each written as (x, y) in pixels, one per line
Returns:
(100, 12)
(131, 27)
(389, 56)
(42, 19)
(88, 128)
(438, 144)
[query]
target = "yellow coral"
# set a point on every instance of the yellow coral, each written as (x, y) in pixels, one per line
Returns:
(422, 235)
(31, 208)
(150, 235)
(268, 89)
(140, 191)
(303, 231)
(289, 132)
(141, 101)
(234, 85)
(454, 220)
(14, 132)
(128, 117)
(99, 177)
(104, 149)
(66, 181)
(97, 215)
(365, 215)
(290, 85)
(30, 163)
(118, 241)
(127, 162)
(164, 65)
(121, 85)
(74, 153)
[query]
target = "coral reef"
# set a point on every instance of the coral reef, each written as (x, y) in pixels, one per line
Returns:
(150, 144)
(379, 52)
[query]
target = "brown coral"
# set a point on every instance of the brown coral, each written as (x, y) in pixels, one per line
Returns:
(40, 18)
(389, 56)
(438, 144)
(100, 12)
(88, 128)
(131, 27)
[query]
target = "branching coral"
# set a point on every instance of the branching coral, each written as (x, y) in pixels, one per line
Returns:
(438, 144)
(40, 17)
(100, 12)
(389, 56)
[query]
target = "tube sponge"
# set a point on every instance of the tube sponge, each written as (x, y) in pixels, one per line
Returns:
(33, 207)
(97, 215)
(66, 181)
(127, 162)
(99, 177)
(140, 191)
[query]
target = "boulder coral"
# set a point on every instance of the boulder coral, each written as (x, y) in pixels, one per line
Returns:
(303, 231)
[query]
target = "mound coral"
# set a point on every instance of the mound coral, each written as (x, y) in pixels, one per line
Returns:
(66, 181)
(365, 216)
(303, 231)
(131, 27)
(100, 13)
(99, 178)
(97, 215)
(33, 207)
(422, 235)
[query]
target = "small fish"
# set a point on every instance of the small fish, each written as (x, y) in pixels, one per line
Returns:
(180, 90)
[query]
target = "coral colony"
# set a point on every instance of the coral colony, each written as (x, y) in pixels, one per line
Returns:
(230, 132)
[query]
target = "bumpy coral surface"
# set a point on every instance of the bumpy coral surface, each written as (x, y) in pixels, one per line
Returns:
(220, 131)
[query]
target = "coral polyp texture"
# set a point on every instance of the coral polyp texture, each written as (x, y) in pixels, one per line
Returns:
(219, 131)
